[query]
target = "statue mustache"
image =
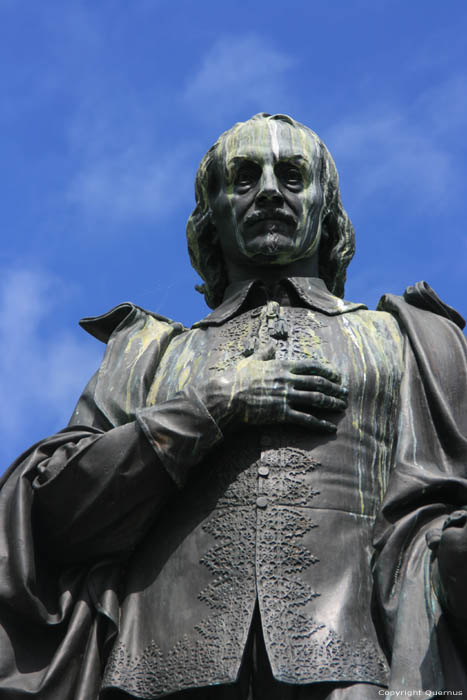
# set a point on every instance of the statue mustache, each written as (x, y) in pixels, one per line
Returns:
(268, 214)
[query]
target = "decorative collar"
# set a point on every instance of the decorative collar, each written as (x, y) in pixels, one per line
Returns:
(311, 291)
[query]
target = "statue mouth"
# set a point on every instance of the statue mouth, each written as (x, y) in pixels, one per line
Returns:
(272, 215)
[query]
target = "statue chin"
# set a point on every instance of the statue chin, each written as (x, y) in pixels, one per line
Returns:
(269, 248)
(272, 248)
(276, 244)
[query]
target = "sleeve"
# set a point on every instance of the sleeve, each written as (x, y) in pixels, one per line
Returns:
(99, 485)
(428, 481)
(97, 492)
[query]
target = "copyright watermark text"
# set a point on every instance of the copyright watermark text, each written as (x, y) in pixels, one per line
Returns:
(420, 693)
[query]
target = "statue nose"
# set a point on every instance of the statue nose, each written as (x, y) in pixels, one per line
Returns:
(269, 196)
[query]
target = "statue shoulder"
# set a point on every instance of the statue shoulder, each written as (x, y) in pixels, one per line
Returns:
(420, 297)
(136, 341)
(128, 317)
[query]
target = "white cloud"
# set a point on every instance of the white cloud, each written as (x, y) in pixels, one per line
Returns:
(132, 184)
(239, 72)
(42, 372)
(389, 154)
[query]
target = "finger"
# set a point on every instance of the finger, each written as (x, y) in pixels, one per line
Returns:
(314, 367)
(306, 382)
(433, 538)
(306, 420)
(314, 399)
(265, 352)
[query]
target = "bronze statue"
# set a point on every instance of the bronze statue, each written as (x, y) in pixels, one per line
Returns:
(267, 505)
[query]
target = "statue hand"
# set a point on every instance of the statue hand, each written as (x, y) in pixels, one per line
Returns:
(260, 390)
(450, 546)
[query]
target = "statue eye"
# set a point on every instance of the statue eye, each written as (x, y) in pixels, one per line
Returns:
(247, 176)
(290, 175)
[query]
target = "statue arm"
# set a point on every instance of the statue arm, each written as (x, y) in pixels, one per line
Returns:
(96, 491)
(97, 494)
(98, 485)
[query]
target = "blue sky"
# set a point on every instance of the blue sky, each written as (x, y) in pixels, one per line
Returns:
(106, 109)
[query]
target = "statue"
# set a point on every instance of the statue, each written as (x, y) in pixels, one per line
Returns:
(270, 504)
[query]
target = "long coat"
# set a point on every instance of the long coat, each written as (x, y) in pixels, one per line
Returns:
(140, 538)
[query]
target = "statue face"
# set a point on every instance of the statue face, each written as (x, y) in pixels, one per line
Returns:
(267, 201)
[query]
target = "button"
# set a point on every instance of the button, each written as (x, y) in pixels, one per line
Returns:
(261, 501)
(266, 441)
(263, 470)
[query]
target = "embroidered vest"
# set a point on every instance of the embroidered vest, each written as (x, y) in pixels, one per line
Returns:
(277, 514)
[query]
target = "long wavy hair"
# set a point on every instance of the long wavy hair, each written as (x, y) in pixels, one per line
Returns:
(337, 244)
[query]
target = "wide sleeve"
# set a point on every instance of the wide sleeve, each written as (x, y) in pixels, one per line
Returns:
(98, 489)
(96, 493)
(428, 481)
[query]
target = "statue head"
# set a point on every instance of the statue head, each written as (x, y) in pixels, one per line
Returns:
(333, 230)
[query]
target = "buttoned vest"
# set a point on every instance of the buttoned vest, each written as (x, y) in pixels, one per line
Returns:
(277, 515)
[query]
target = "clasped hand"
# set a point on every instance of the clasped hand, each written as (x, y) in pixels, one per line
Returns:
(259, 390)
